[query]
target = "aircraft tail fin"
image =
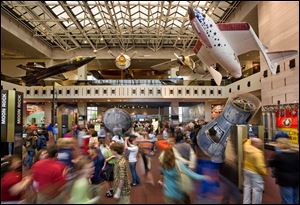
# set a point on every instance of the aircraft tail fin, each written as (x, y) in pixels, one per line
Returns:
(277, 56)
(217, 76)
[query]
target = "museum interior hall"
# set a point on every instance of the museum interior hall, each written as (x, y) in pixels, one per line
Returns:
(150, 102)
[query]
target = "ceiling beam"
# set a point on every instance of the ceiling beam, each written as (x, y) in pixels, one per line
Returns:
(57, 39)
(142, 53)
(13, 27)
(48, 12)
(86, 6)
(71, 15)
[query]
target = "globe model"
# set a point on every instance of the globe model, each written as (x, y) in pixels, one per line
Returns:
(117, 118)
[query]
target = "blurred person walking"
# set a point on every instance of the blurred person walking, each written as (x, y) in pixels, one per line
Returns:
(121, 185)
(173, 182)
(286, 171)
(13, 185)
(81, 190)
(49, 177)
(254, 170)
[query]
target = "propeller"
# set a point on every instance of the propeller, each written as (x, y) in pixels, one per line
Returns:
(110, 52)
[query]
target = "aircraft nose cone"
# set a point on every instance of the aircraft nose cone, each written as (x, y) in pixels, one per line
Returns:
(90, 58)
(191, 13)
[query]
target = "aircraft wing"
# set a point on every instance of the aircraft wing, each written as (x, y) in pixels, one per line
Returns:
(240, 36)
(166, 65)
(243, 39)
(57, 77)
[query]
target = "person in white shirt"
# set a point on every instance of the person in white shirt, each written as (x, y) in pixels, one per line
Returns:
(131, 146)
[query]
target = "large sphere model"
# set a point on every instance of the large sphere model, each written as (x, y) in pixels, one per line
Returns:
(117, 118)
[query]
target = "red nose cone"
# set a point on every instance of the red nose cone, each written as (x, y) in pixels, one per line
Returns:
(191, 13)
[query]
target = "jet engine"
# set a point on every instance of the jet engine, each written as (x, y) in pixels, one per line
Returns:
(212, 138)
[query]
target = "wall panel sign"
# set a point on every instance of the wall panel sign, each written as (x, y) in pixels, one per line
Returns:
(4, 103)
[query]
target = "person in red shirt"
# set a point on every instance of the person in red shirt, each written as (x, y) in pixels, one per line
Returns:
(12, 184)
(49, 176)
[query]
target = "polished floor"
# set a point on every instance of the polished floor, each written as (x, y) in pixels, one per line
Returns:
(145, 193)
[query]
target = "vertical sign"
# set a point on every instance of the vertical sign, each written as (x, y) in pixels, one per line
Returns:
(18, 124)
(4, 103)
(19, 113)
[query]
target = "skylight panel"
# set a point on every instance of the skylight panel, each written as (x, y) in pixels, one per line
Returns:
(80, 16)
(202, 3)
(119, 16)
(120, 21)
(184, 3)
(51, 2)
(76, 10)
(64, 15)
(58, 10)
(95, 10)
(100, 23)
(66, 23)
(181, 11)
(73, 2)
(134, 2)
(135, 16)
(123, 9)
(134, 9)
(117, 9)
(144, 10)
(177, 23)
(134, 23)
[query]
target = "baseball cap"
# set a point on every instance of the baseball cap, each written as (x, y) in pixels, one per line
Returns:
(280, 134)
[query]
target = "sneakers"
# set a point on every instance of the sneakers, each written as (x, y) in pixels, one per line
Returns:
(109, 193)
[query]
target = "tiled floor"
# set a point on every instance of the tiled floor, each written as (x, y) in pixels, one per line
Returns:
(149, 194)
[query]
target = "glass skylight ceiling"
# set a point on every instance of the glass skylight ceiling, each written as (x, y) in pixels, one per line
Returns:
(125, 24)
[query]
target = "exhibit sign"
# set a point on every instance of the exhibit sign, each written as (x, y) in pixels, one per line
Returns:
(287, 121)
(11, 122)
(4, 110)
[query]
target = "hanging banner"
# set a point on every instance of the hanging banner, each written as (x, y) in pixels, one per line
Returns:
(287, 121)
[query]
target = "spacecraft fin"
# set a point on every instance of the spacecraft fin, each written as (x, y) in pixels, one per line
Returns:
(217, 76)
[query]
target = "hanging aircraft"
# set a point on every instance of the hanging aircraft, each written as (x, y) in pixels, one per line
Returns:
(222, 43)
(189, 66)
(122, 62)
(36, 73)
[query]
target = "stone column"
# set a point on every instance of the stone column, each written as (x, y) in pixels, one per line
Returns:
(207, 110)
(82, 108)
(175, 112)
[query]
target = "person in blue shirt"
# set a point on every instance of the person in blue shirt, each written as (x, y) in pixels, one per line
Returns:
(172, 177)
(98, 160)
